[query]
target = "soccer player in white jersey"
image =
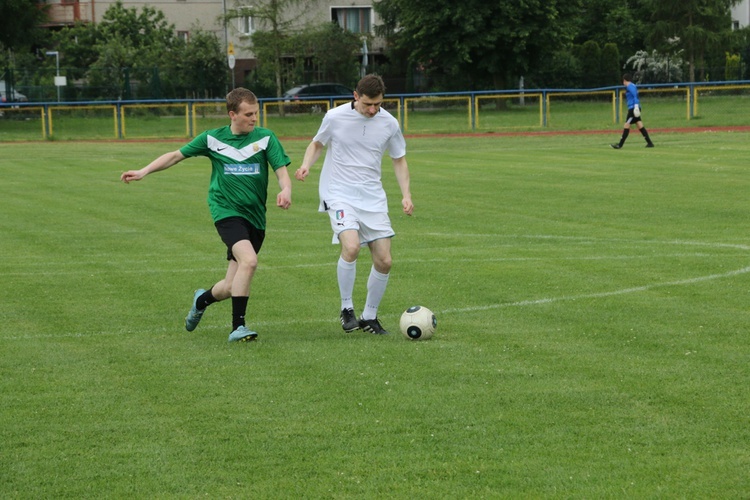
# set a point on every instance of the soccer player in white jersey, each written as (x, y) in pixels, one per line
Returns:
(242, 156)
(356, 136)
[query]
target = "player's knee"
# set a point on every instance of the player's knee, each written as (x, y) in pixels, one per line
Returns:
(383, 263)
(349, 251)
(247, 264)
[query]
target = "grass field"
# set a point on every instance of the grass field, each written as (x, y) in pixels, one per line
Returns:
(592, 338)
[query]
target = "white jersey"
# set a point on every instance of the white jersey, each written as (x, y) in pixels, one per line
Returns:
(352, 166)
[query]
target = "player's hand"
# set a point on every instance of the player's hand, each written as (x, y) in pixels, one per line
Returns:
(301, 173)
(407, 205)
(284, 199)
(131, 175)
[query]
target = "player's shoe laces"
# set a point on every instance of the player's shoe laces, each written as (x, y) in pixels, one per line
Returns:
(349, 320)
(195, 314)
(372, 326)
(242, 334)
(615, 146)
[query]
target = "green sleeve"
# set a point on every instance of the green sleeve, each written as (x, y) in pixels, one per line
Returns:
(197, 147)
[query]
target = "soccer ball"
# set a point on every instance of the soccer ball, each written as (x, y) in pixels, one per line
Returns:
(418, 323)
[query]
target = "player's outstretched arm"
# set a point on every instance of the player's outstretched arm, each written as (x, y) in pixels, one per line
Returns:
(161, 163)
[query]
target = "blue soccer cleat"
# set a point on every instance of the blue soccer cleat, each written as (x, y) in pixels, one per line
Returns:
(242, 334)
(195, 314)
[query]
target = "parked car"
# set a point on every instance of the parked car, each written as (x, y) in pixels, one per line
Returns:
(17, 96)
(318, 90)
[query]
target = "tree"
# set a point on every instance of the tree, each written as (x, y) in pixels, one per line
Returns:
(19, 23)
(656, 67)
(694, 26)
(611, 69)
(201, 65)
(591, 62)
(612, 21)
(78, 46)
(475, 43)
(275, 21)
(334, 52)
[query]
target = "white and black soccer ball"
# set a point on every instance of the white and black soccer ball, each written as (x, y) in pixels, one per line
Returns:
(418, 323)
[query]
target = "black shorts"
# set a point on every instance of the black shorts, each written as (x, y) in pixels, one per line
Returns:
(234, 229)
(632, 118)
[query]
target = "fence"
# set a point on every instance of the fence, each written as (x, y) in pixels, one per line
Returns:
(664, 106)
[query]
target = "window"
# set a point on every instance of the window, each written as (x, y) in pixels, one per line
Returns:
(735, 25)
(184, 36)
(354, 19)
(247, 25)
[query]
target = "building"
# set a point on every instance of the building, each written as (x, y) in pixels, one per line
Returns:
(354, 15)
(741, 15)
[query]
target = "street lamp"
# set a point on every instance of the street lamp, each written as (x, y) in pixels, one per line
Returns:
(57, 62)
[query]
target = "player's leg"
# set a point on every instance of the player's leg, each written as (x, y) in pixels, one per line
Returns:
(221, 290)
(625, 131)
(243, 243)
(345, 225)
(377, 231)
(246, 260)
(346, 274)
(645, 135)
(379, 274)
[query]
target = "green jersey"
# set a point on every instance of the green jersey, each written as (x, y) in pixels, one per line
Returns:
(239, 174)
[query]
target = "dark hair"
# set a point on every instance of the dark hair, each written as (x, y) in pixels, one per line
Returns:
(237, 97)
(371, 86)
(627, 77)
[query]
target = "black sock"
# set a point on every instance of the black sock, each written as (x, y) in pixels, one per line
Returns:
(205, 300)
(239, 306)
(645, 135)
(625, 133)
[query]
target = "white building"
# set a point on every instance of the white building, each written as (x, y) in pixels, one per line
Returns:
(354, 15)
(741, 15)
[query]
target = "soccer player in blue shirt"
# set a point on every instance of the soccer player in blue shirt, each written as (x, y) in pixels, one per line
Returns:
(634, 113)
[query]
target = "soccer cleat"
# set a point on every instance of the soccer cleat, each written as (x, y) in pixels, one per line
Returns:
(650, 145)
(372, 326)
(242, 334)
(349, 320)
(615, 146)
(194, 316)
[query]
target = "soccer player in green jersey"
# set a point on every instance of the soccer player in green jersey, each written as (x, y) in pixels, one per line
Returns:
(240, 155)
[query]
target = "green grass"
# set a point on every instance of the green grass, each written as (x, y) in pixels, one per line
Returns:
(592, 338)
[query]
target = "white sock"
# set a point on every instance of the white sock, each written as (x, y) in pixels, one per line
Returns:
(346, 272)
(376, 284)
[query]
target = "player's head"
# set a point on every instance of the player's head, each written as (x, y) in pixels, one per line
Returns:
(237, 97)
(371, 86)
(627, 77)
(369, 95)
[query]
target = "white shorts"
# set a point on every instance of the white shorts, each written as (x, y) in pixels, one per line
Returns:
(370, 226)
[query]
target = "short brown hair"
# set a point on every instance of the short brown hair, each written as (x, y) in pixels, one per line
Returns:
(237, 97)
(371, 86)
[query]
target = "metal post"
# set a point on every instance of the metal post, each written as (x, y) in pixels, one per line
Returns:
(57, 64)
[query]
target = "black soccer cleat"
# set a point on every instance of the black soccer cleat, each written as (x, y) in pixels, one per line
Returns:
(349, 320)
(615, 146)
(372, 326)
(650, 145)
